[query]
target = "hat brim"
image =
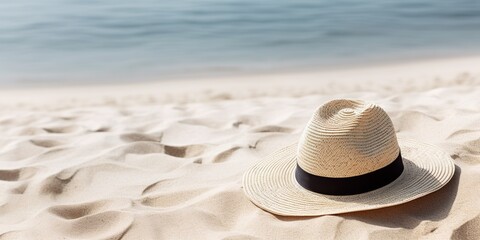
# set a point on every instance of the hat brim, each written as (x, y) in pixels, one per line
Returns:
(271, 184)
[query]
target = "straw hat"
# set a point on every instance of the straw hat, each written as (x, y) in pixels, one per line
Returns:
(348, 159)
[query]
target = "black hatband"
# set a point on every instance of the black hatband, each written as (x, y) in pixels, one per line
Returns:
(350, 185)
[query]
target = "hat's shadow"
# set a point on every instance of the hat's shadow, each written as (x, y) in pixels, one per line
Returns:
(433, 207)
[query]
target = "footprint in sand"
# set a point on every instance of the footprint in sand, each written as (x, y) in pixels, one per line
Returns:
(17, 174)
(157, 185)
(468, 230)
(272, 129)
(148, 147)
(224, 155)
(184, 151)
(140, 137)
(20, 189)
(76, 211)
(56, 184)
(46, 143)
(62, 129)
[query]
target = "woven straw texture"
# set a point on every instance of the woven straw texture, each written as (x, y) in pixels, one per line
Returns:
(346, 138)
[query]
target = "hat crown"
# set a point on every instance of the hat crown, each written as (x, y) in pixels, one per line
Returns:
(346, 138)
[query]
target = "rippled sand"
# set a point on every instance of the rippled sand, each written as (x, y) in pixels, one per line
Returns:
(139, 166)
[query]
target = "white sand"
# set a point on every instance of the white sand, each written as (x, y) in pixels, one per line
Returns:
(165, 160)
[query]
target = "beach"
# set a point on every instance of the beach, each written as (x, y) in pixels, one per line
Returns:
(165, 159)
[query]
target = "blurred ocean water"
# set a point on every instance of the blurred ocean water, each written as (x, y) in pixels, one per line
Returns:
(75, 41)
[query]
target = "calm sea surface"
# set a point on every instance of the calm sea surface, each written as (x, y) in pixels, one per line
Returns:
(76, 41)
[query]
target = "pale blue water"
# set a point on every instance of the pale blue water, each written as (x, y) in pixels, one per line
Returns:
(65, 41)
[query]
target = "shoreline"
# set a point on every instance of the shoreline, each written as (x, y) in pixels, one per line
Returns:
(294, 70)
(433, 73)
(227, 72)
